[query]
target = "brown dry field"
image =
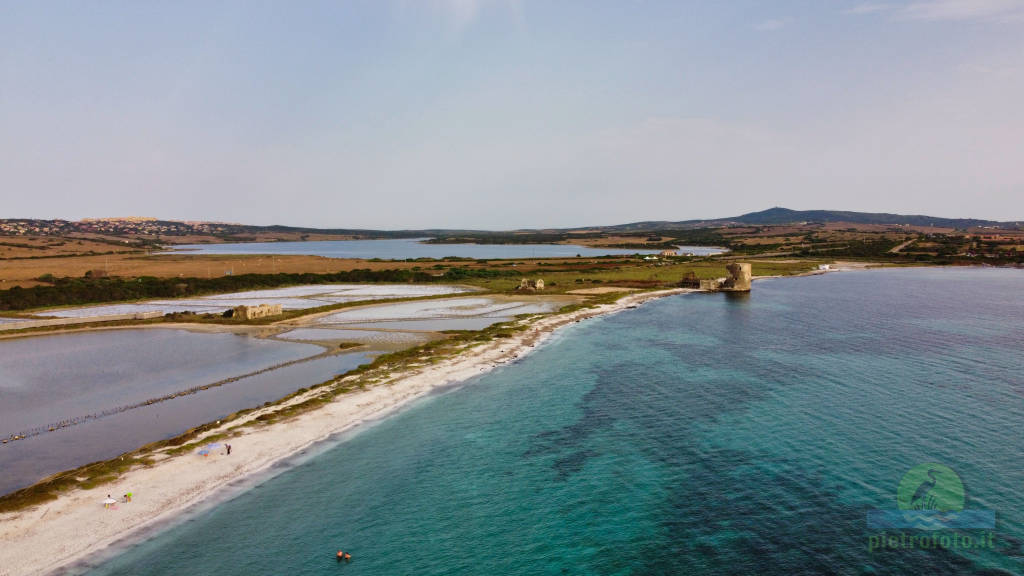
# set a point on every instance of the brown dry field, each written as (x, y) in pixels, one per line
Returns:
(888, 228)
(35, 246)
(24, 272)
(771, 240)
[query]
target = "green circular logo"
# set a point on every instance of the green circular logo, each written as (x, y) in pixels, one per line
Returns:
(930, 486)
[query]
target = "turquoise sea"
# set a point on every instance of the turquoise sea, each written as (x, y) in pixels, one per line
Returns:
(697, 434)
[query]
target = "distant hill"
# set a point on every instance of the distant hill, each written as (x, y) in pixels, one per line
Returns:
(147, 229)
(785, 216)
(776, 216)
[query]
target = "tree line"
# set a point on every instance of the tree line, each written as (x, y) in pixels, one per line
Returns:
(69, 291)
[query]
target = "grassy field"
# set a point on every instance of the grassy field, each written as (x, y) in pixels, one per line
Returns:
(640, 274)
(25, 272)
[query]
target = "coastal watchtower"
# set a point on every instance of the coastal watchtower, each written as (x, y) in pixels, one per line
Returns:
(739, 279)
(740, 275)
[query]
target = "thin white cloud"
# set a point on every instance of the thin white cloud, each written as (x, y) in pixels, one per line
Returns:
(868, 9)
(946, 10)
(963, 10)
(772, 25)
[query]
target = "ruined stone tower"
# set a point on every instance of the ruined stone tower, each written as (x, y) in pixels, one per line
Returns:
(739, 277)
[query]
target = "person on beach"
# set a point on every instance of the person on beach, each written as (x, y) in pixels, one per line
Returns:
(229, 449)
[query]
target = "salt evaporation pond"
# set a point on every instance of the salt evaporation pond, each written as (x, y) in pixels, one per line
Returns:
(435, 324)
(447, 308)
(436, 315)
(49, 378)
(361, 336)
(45, 379)
(406, 248)
(290, 298)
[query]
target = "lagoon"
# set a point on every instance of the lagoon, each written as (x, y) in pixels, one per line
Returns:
(406, 248)
(361, 335)
(46, 379)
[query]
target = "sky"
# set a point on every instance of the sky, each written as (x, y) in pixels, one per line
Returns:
(502, 114)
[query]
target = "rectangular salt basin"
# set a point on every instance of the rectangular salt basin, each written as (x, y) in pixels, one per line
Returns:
(361, 336)
(46, 379)
(436, 324)
(447, 308)
(290, 298)
(26, 461)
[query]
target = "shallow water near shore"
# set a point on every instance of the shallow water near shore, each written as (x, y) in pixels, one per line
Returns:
(700, 434)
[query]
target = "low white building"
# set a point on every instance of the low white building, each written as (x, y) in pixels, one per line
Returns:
(261, 311)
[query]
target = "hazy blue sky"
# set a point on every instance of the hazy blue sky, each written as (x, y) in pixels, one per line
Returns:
(502, 114)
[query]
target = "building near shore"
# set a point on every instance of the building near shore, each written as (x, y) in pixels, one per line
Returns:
(711, 284)
(259, 311)
(525, 284)
(738, 280)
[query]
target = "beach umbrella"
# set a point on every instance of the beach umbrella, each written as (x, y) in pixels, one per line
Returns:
(204, 452)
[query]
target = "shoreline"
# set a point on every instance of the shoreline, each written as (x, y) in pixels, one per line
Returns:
(67, 531)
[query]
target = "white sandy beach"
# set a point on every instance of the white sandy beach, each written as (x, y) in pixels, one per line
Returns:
(59, 533)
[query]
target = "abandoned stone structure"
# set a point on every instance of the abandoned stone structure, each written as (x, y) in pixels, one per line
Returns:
(738, 280)
(525, 284)
(690, 280)
(260, 311)
(711, 284)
